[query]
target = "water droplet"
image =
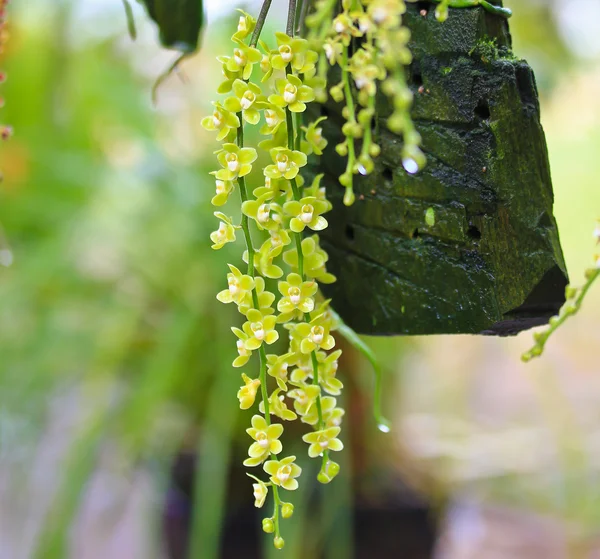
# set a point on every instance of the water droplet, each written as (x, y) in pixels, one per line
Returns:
(6, 257)
(361, 169)
(410, 166)
(384, 427)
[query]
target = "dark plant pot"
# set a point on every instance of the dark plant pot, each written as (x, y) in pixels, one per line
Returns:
(491, 261)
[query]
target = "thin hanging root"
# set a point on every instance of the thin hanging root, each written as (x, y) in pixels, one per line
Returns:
(357, 343)
(130, 20)
(170, 70)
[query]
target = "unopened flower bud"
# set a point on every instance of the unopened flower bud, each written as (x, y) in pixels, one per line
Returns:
(336, 93)
(349, 197)
(329, 471)
(570, 292)
(268, 526)
(342, 149)
(287, 509)
(374, 150)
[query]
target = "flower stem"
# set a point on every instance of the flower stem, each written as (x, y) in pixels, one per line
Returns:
(351, 116)
(300, 24)
(294, 141)
(290, 126)
(570, 308)
(245, 225)
(315, 365)
(291, 21)
(261, 352)
(260, 22)
(276, 505)
(298, 142)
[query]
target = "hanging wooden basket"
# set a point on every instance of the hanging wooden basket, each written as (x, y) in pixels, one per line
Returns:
(469, 244)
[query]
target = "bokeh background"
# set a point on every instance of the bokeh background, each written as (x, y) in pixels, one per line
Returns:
(119, 426)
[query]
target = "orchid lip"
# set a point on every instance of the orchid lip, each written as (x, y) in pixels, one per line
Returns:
(239, 57)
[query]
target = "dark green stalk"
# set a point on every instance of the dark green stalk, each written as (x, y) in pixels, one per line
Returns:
(298, 143)
(300, 24)
(291, 21)
(290, 126)
(261, 352)
(260, 22)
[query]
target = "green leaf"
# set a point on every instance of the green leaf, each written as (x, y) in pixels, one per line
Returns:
(179, 22)
(130, 20)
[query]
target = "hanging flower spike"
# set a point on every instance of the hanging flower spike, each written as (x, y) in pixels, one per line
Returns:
(313, 335)
(224, 234)
(306, 213)
(240, 286)
(296, 295)
(278, 407)
(320, 441)
(294, 51)
(243, 60)
(246, 25)
(243, 353)
(236, 162)
(283, 472)
(286, 163)
(292, 93)
(277, 367)
(266, 439)
(248, 100)
(266, 214)
(265, 299)
(274, 118)
(260, 491)
(314, 136)
(247, 393)
(223, 121)
(259, 329)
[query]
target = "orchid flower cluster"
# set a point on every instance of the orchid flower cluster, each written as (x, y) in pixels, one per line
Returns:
(366, 40)
(369, 43)
(286, 211)
(5, 130)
